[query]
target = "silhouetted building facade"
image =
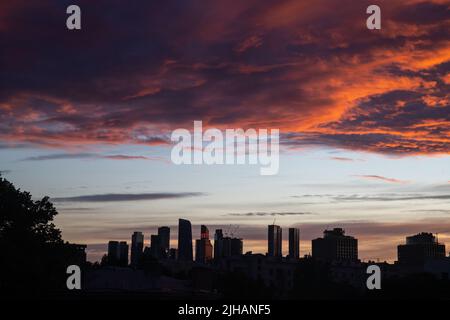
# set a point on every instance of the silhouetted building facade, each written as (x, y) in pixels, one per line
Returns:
(155, 246)
(173, 254)
(203, 247)
(335, 246)
(137, 247)
(118, 253)
(419, 249)
(184, 240)
(218, 244)
(79, 253)
(123, 253)
(274, 241)
(164, 236)
(294, 243)
(226, 246)
(276, 274)
(236, 246)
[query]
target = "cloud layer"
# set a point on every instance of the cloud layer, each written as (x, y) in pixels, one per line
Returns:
(116, 197)
(311, 68)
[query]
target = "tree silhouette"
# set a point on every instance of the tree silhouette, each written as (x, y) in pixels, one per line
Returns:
(33, 255)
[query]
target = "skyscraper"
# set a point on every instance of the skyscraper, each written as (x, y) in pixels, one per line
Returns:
(335, 245)
(420, 248)
(274, 240)
(236, 246)
(294, 243)
(123, 253)
(184, 240)
(155, 246)
(226, 246)
(218, 244)
(113, 252)
(137, 246)
(203, 247)
(164, 237)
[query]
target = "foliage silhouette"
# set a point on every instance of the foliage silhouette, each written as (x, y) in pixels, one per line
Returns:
(34, 256)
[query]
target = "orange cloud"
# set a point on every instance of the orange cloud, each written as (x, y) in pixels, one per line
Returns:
(381, 178)
(310, 68)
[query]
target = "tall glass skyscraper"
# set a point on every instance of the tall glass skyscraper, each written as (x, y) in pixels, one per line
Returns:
(137, 246)
(274, 241)
(203, 246)
(184, 240)
(294, 243)
(164, 237)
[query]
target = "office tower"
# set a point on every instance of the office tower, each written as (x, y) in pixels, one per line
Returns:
(236, 246)
(155, 246)
(203, 247)
(218, 244)
(294, 243)
(420, 248)
(226, 246)
(274, 241)
(137, 246)
(184, 240)
(164, 236)
(123, 253)
(113, 253)
(335, 246)
(204, 232)
(118, 253)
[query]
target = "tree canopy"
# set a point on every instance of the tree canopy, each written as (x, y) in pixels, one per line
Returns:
(33, 254)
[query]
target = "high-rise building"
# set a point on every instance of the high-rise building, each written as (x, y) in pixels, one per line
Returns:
(218, 244)
(118, 253)
(137, 247)
(226, 246)
(294, 243)
(164, 236)
(203, 247)
(184, 240)
(236, 246)
(420, 248)
(123, 253)
(155, 246)
(274, 241)
(335, 246)
(113, 252)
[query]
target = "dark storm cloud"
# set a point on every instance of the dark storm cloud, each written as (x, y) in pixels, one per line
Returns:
(117, 197)
(423, 13)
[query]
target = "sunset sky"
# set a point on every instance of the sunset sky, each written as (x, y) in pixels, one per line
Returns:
(364, 116)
